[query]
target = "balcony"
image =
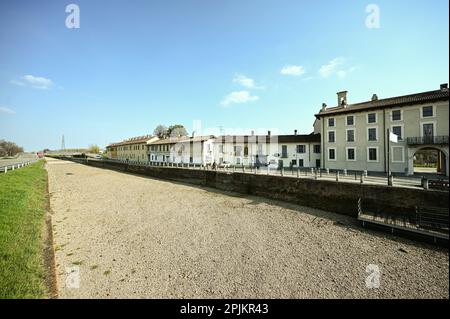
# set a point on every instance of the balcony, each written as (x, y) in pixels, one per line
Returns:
(430, 140)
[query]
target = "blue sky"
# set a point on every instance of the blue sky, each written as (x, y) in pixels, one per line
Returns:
(242, 65)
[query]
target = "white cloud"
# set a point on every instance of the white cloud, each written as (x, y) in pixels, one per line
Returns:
(343, 73)
(4, 109)
(15, 82)
(331, 67)
(246, 82)
(36, 82)
(296, 70)
(239, 97)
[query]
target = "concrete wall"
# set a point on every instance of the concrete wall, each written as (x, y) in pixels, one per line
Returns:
(327, 195)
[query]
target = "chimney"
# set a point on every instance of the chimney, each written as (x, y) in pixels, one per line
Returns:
(324, 107)
(374, 97)
(342, 98)
(444, 87)
(295, 132)
(253, 133)
(268, 133)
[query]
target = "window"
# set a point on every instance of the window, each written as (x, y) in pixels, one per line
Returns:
(351, 156)
(238, 161)
(427, 111)
(245, 150)
(372, 154)
(331, 136)
(398, 154)
(350, 120)
(350, 135)
(428, 133)
(284, 151)
(397, 130)
(300, 163)
(317, 149)
(238, 150)
(301, 149)
(220, 148)
(331, 122)
(294, 162)
(372, 118)
(372, 134)
(331, 154)
(396, 115)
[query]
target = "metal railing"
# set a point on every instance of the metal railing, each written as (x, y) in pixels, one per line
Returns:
(420, 140)
(12, 167)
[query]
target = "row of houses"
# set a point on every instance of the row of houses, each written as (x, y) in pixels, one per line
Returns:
(238, 150)
(379, 135)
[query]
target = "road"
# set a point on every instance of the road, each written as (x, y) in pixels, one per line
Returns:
(22, 158)
(120, 235)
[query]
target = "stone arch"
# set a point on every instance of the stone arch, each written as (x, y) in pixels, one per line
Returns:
(413, 150)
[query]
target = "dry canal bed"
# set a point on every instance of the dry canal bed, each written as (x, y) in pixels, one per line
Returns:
(124, 236)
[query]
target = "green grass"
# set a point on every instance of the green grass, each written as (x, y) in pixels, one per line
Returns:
(23, 200)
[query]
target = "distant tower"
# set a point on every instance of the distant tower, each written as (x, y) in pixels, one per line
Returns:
(63, 144)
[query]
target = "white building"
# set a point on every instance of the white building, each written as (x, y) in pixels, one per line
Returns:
(193, 150)
(285, 150)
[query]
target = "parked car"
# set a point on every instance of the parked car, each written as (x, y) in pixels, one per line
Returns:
(225, 164)
(273, 164)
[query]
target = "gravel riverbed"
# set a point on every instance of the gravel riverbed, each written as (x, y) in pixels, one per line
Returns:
(136, 237)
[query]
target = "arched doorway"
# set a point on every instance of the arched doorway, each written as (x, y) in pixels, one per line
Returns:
(429, 160)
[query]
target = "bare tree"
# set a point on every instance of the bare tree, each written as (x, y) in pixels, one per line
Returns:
(9, 148)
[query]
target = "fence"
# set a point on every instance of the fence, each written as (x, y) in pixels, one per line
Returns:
(6, 168)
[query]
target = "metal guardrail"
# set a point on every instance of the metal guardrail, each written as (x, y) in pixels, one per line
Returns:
(6, 168)
(433, 140)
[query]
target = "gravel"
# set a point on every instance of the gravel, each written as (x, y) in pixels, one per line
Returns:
(137, 237)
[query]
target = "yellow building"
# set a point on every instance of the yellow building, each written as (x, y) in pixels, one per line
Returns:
(132, 150)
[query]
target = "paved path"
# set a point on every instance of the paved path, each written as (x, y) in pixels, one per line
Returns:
(133, 236)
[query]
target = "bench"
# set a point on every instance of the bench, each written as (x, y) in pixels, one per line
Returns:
(435, 218)
(438, 184)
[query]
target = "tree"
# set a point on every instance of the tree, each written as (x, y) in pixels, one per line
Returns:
(161, 131)
(9, 148)
(176, 130)
(94, 149)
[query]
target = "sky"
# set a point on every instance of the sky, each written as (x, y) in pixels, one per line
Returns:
(231, 65)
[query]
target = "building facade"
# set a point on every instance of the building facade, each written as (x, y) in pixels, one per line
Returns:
(131, 150)
(162, 151)
(362, 136)
(194, 150)
(260, 150)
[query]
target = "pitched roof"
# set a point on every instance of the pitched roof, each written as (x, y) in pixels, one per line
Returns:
(133, 140)
(398, 101)
(197, 139)
(170, 140)
(299, 138)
